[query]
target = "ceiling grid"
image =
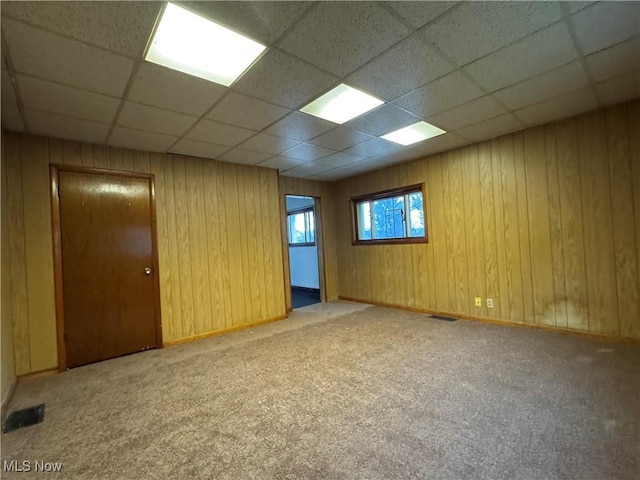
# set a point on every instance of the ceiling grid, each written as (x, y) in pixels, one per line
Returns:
(478, 70)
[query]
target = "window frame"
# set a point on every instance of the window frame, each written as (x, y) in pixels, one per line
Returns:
(297, 211)
(393, 192)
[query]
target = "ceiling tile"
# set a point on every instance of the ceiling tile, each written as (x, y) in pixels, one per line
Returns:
(440, 143)
(385, 119)
(238, 155)
(491, 128)
(284, 80)
(55, 98)
(544, 86)
(165, 88)
(440, 95)
(373, 148)
(123, 27)
(398, 157)
(401, 69)
(300, 126)
(418, 14)
(339, 37)
(615, 61)
(262, 21)
(329, 176)
(571, 104)
(619, 89)
(307, 152)
(366, 165)
(139, 140)
(340, 159)
(475, 29)
(542, 51)
(265, 143)
(196, 148)
(152, 119)
(606, 23)
(8, 93)
(340, 138)
(281, 163)
(307, 169)
(11, 118)
(471, 112)
(47, 55)
(236, 109)
(51, 125)
(219, 133)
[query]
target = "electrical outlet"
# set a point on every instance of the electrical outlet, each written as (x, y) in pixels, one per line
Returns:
(478, 302)
(489, 302)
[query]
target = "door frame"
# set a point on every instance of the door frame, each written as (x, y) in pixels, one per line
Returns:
(317, 207)
(55, 170)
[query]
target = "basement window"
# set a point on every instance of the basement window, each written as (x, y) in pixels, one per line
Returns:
(302, 230)
(390, 216)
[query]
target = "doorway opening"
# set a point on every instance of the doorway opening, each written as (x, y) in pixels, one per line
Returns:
(303, 251)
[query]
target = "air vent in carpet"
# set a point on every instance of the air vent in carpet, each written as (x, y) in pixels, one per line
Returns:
(441, 317)
(24, 418)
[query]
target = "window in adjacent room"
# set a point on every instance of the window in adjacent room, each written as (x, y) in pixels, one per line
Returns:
(302, 230)
(391, 216)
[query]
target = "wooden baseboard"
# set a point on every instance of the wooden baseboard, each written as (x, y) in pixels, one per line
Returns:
(496, 321)
(222, 331)
(37, 374)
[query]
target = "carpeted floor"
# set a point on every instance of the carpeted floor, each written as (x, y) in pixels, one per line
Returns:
(345, 391)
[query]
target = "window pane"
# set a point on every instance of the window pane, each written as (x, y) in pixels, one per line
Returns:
(311, 233)
(388, 217)
(416, 215)
(363, 212)
(297, 228)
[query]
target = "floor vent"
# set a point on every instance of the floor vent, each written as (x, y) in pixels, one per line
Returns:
(446, 319)
(24, 418)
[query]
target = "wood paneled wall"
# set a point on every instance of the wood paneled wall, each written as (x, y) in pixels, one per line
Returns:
(545, 221)
(7, 375)
(219, 243)
(325, 192)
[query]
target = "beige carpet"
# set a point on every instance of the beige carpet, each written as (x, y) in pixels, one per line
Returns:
(345, 391)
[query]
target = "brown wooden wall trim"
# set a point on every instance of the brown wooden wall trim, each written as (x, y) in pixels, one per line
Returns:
(223, 331)
(494, 321)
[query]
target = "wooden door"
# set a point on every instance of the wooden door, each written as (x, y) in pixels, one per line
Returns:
(106, 244)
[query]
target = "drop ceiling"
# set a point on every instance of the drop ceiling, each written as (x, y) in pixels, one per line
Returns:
(475, 69)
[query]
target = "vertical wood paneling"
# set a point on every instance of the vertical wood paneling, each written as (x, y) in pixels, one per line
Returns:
(545, 221)
(38, 248)
(625, 239)
(22, 344)
(539, 234)
(511, 298)
(555, 228)
(572, 232)
(598, 229)
(174, 248)
(156, 167)
(633, 123)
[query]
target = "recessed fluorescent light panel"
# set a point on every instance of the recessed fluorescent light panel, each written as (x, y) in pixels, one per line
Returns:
(342, 104)
(414, 133)
(192, 44)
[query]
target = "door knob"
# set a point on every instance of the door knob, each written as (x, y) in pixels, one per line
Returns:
(147, 270)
